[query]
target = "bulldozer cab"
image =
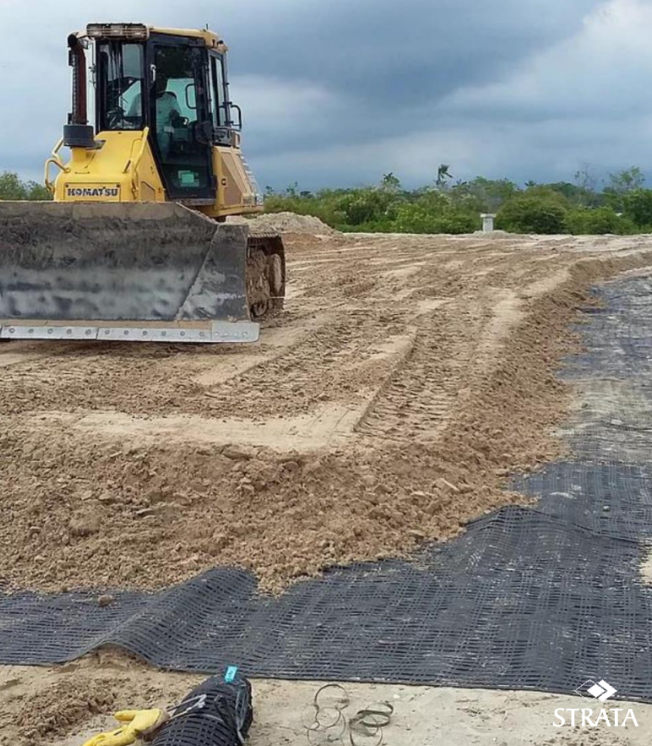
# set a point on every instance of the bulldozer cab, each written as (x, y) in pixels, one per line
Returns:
(177, 88)
(175, 85)
(161, 95)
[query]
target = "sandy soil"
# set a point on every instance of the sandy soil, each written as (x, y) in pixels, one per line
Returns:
(66, 706)
(408, 376)
(288, 222)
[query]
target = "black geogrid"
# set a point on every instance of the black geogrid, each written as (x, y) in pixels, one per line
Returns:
(540, 597)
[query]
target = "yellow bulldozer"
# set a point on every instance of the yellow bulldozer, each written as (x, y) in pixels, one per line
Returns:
(135, 244)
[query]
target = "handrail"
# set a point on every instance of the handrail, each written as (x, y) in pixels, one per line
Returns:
(54, 159)
(133, 163)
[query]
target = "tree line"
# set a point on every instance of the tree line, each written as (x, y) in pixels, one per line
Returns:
(12, 187)
(620, 205)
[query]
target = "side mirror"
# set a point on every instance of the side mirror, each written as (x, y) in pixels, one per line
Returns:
(204, 132)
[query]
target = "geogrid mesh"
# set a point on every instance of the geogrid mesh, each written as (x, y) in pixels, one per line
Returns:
(540, 597)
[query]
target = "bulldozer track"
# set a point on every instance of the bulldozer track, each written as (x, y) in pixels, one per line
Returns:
(265, 275)
(417, 400)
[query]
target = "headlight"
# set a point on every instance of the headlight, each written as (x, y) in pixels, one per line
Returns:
(117, 31)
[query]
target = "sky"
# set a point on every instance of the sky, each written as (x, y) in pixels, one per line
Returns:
(340, 92)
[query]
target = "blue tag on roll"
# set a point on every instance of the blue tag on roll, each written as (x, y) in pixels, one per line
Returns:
(229, 676)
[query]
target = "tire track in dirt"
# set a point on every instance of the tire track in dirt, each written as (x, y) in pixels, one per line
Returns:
(417, 400)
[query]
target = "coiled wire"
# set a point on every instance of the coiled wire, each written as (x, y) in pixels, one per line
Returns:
(326, 723)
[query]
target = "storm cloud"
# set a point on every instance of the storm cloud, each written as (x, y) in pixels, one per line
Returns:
(338, 93)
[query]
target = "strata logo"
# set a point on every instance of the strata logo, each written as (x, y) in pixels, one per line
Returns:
(601, 690)
(99, 192)
(588, 718)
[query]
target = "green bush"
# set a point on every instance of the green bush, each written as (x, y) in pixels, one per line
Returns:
(459, 222)
(598, 222)
(533, 214)
(367, 209)
(367, 206)
(421, 218)
(637, 206)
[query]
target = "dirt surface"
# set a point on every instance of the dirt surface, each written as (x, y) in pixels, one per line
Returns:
(407, 377)
(66, 706)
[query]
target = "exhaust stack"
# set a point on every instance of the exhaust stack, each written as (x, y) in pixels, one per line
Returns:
(78, 133)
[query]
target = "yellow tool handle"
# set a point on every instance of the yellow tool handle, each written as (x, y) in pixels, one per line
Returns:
(138, 723)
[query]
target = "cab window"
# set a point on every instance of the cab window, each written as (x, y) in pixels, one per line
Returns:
(219, 93)
(120, 80)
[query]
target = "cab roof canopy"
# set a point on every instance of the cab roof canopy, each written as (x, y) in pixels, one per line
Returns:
(140, 31)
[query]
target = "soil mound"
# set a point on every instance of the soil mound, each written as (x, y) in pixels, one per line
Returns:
(289, 222)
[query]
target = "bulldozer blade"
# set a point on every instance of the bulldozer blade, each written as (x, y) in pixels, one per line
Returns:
(156, 272)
